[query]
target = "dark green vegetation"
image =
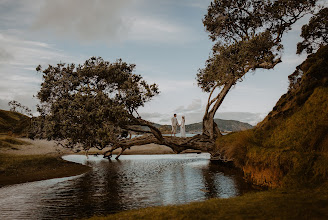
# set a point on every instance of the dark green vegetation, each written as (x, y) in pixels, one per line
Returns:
(91, 104)
(277, 204)
(314, 33)
(290, 146)
(14, 123)
(26, 168)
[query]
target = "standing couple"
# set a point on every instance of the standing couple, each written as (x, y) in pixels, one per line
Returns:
(175, 125)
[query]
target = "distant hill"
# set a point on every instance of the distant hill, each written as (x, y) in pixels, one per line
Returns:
(223, 125)
(13, 122)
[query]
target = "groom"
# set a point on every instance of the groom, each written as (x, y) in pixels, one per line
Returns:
(175, 124)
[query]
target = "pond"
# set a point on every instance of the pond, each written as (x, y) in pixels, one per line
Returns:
(135, 181)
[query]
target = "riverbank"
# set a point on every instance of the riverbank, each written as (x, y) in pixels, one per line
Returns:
(24, 160)
(273, 204)
(16, 169)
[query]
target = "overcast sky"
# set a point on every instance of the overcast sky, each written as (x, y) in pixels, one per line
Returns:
(165, 39)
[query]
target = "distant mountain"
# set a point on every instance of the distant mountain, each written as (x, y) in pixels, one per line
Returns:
(223, 125)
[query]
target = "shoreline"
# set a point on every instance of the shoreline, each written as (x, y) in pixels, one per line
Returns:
(41, 160)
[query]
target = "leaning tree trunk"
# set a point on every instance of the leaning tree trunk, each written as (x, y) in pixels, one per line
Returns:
(210, 128)
(204, 142)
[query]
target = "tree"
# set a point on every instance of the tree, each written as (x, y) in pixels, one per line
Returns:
(315, 33)
(95, 104)
(18, 107)
(247, 36)
(91, 105)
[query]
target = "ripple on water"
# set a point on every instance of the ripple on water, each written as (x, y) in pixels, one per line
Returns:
(135, 181)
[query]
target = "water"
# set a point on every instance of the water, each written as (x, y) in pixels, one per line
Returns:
(136, 181)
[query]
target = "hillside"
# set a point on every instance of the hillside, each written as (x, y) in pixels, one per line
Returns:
(13, 122)
(290, 146)
(223, 125)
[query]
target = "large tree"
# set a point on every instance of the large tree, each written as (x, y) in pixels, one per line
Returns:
(247, 36)
(93, 104)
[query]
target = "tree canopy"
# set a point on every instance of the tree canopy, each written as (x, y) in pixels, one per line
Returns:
(91, 104)
(315, 33)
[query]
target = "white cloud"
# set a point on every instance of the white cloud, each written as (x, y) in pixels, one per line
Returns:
(84, 19)
(194, 106)
(110, 21)
(152, 29)
(19, 79)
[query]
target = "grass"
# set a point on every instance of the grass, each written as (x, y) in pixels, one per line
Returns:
(14, 122)
(9, 142)
(26, 168)
(273, 204)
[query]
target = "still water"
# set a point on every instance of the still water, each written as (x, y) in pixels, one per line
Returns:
(136, 181)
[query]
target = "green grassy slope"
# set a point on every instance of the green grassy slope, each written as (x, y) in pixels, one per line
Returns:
(290, 146)
(13, 122)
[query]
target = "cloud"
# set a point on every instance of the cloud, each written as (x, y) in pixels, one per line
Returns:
(152, 29)
(84, 19)
(18, 59)
(5, 55)
(194, 106)
(107, 20)
(248, 117)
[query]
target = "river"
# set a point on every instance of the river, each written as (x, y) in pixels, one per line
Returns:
(135, 181)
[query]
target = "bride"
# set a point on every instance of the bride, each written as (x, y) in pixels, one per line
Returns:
(182, 127)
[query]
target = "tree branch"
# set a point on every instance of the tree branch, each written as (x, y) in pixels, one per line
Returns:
(209, 103)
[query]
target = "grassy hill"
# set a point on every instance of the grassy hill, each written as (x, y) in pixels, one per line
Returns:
(290, 146)
(13, 122)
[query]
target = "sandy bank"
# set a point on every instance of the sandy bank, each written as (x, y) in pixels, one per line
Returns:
(41, 159)
(44, 147)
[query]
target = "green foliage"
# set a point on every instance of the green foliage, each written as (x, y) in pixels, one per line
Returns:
(18, 107)
(90, 104)
(315, 33)
(248, 36)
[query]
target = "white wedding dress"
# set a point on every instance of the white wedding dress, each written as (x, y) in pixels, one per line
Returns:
(183, 128)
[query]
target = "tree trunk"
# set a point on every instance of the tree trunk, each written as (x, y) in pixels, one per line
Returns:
(210, 128)
(204, 142)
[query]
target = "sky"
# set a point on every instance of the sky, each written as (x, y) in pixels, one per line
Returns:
(165, 39)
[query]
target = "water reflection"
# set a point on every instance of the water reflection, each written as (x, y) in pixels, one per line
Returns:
(136, 181)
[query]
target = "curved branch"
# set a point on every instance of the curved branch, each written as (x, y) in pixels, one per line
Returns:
(220, 97)
(209, 101)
